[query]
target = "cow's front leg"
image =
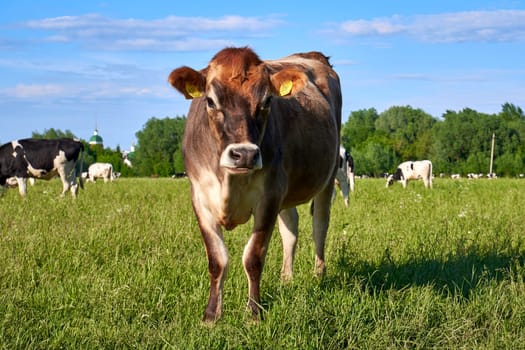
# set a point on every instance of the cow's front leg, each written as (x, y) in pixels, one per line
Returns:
(253, 260)
(289, 230)
(217, 268)
(22, 185)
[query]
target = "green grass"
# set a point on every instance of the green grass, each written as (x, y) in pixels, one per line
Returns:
(123, 266)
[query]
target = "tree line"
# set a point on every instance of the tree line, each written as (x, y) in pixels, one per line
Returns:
(456, 142)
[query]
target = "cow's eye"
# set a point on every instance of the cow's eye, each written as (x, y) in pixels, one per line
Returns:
(266, 103)
(210, 103)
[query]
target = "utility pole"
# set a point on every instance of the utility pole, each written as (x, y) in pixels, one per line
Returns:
(492, 153)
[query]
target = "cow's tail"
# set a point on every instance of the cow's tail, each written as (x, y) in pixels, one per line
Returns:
(430, 176)
(81, 167)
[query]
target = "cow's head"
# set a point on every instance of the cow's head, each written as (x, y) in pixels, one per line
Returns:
(397, 176)
(389, 180)
(238, 89)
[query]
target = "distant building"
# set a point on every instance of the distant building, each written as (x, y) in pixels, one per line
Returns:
(96, 139)
(128, 156)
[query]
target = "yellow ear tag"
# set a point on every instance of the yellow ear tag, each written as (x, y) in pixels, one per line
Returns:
(286, 88)
(193, 91)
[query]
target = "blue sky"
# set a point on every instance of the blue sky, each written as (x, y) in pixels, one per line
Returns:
(80, 64)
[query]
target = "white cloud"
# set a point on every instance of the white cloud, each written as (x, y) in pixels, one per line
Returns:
(378, 26)
(31, 91)
(483, 26)
(171, 33)
(58, 92)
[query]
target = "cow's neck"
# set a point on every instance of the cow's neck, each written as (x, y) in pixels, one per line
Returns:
(239, 196)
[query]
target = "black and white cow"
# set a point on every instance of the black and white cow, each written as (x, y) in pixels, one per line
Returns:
(345, 178)
(421, 169)
(41, 159)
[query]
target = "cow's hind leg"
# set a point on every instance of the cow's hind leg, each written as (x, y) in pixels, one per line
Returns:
(321, 218)
(71, 175)
(289, 230)
(65, 182)
(351, 180)
(345, 189)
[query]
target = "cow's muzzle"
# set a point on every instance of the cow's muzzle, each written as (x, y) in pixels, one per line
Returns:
(389, 180)
(241, 157)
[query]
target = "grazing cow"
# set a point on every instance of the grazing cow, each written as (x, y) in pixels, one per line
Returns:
(345, 178)
(100, 171)
(41, 159)
(474, 176)
(421, 169)
(261, 138)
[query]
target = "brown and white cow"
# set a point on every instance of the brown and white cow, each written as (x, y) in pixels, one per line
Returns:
(412, 170)
(261, 138)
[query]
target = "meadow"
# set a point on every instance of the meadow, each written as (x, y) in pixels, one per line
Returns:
(123, 266)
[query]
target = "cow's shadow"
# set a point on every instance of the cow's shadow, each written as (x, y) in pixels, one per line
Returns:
(455, 274)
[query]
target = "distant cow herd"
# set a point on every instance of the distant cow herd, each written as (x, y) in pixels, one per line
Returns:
(26, 160)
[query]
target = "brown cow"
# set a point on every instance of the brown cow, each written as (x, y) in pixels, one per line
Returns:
(261, 138)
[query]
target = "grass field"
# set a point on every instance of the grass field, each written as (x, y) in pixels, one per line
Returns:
(123, 266)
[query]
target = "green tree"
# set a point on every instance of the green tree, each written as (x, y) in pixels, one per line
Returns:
(359, 127)
(476, 162)
(509, 164)
(374, 158)
(53, 134)
(409, 130)
(510, 112)
(514, 119)
(159, 145)
(462, 141)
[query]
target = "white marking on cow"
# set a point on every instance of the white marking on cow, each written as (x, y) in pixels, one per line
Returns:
(15, 144)
(344, 178)
(38, 173)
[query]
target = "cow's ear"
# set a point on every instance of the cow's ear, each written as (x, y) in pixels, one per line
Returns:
(289, 81)
(187, 81)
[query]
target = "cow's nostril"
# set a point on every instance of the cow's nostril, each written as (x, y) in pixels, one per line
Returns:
(235, 155)
(241, 156)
